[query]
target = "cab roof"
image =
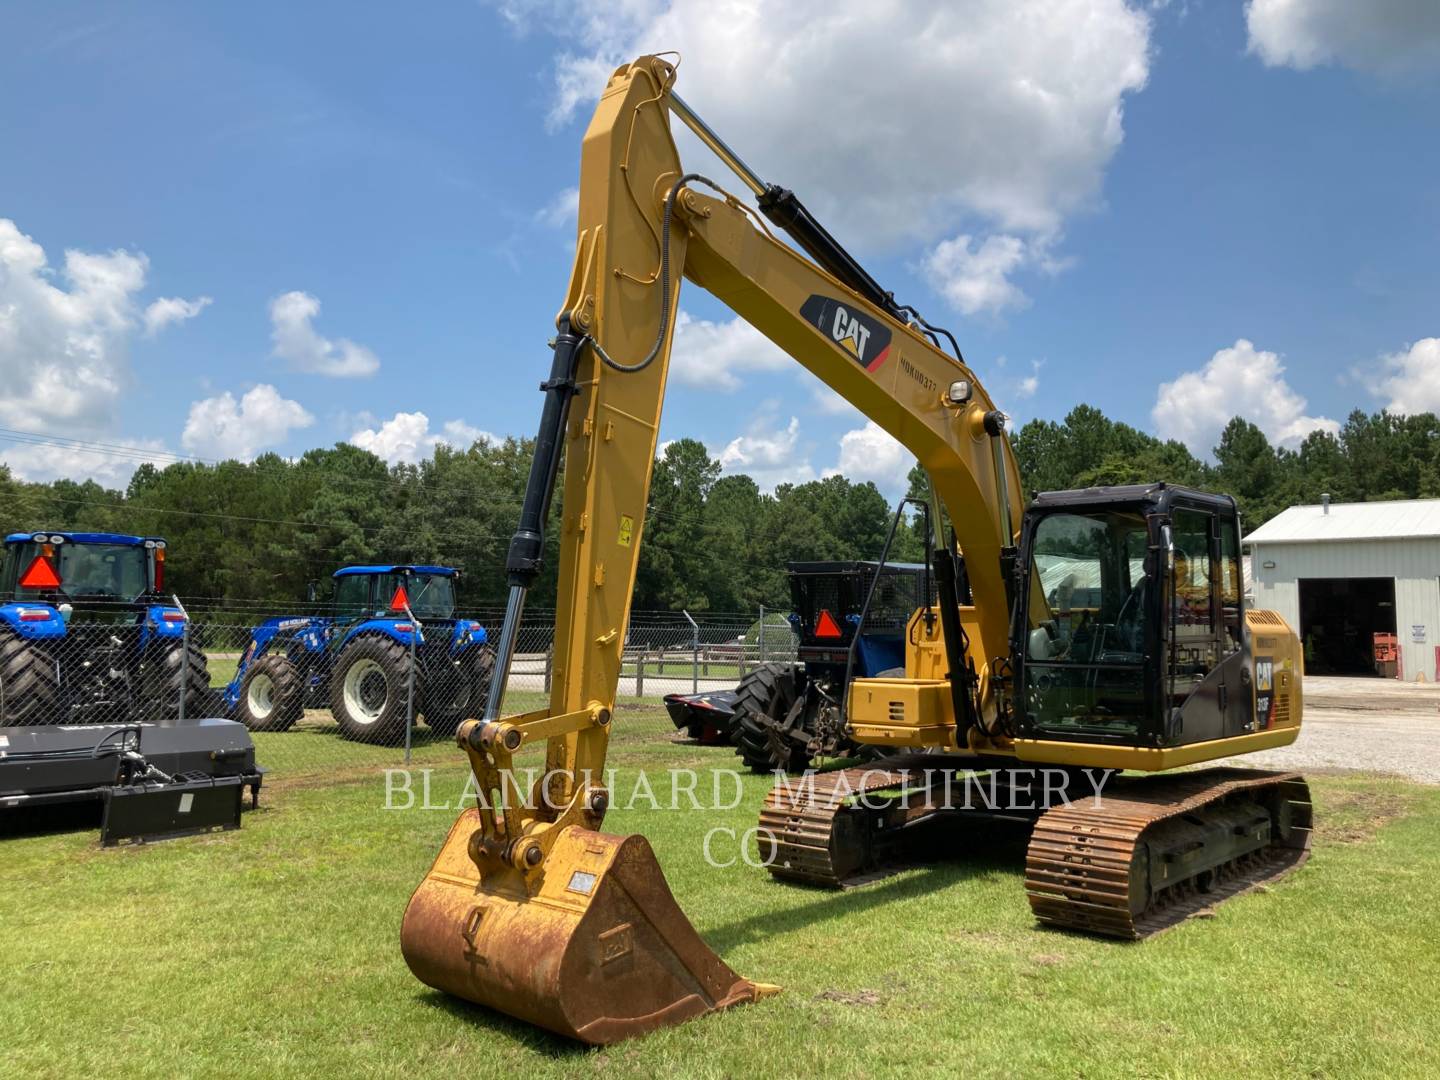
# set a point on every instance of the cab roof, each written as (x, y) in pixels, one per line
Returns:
(852, 566)
(81, 537)
(1158, 497)
(401, 568)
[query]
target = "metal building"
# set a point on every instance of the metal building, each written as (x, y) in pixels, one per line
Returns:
(1360, 581)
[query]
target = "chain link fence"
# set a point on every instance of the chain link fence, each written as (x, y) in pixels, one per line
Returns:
(322, 693)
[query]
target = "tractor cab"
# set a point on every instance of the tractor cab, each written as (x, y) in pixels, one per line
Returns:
(373, 592)
(94, 573)
(1131, 629)
(826, 602)
(85, 627)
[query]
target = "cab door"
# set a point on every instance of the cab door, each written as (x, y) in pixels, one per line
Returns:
(1234, 645)
(1207, 676)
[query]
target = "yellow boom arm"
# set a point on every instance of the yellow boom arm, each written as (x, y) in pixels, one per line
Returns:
(619, 300)
(521, 868)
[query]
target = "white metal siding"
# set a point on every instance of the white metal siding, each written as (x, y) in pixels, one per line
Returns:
(1414, 564)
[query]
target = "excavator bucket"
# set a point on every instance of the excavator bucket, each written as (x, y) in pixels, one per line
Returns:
(591, 946)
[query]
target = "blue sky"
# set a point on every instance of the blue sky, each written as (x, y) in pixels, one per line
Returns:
(1172, 211)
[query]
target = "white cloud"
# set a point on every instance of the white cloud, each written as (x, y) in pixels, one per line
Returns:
(297, 342)
(221, 427)
(1021, 105)
(172, 309)
(1027, 386)
(871, 453)
(1238, 381)
(64, 351)
(1411, 378)
(713, 355)
(561, 210)
(769, 456)
(109, 466)
(406, 437)
(978, 279)
(1380, 36)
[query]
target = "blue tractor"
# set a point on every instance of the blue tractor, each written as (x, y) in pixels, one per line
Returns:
(86, 634)
(787, 714)
(355, 658)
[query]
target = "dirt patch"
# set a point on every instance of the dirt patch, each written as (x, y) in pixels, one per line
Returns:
(1047, 960)
(1352, 817)
(857, 997)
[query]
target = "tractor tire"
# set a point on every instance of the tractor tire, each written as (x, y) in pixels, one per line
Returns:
(763, 698)
(458, 693)
(272, 695)
(368, 690)
(29, 684)
(176, 665)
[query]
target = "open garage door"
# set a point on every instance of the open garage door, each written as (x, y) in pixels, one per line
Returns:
(1339, 618)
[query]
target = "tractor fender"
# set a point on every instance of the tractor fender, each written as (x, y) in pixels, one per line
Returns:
(161, 622)
(389, 628)
(24, 620)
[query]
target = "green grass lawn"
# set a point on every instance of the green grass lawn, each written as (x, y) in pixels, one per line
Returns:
(222, 669)
(274, 951)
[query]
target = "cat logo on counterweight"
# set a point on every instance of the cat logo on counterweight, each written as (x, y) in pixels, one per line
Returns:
(866, 340)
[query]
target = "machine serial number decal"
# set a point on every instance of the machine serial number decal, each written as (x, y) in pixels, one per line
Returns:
(918, 375)
(865, 339)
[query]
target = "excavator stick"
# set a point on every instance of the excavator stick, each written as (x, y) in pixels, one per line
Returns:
(595, 948)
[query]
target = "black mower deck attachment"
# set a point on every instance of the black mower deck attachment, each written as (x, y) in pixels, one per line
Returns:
(704, 717)
(152, 781)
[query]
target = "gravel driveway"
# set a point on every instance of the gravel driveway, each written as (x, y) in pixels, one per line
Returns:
(1374, 725)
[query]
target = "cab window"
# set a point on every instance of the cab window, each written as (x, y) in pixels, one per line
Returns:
(1088, 604)
(1231, 583)
(1193, 609)
(352, 596)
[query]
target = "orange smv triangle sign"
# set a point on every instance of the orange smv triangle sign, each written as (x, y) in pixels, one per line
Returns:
(40, 575)
(400, 601)
(826, 626)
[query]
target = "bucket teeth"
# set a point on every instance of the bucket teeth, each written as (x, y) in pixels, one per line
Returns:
(593, 947)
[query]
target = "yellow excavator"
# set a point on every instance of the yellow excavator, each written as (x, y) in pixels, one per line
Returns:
(1093, 632)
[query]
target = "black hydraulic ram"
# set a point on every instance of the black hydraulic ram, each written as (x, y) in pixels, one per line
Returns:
(783, 207)
(527, 546)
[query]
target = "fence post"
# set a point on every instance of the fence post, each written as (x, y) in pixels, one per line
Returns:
(184, 658)
(640, 673)
(549, 666)
(762, 633)
(694, 653)
(410, 683)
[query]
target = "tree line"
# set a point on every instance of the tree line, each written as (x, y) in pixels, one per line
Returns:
(249, 534)
(1374, 457)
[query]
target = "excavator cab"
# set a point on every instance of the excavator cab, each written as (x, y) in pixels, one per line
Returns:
(1131, 628)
